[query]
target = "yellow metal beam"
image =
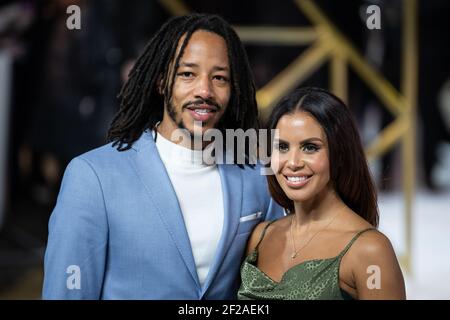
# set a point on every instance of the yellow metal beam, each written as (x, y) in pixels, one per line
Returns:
(285, 36)
(339, 76)
(291, 76)
(409, 88)
(175, 7)
(390, 97)
(387, 138)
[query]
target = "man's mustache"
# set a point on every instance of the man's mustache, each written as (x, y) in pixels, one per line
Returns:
(202, 101)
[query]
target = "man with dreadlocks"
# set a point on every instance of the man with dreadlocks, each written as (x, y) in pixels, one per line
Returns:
(142, 217)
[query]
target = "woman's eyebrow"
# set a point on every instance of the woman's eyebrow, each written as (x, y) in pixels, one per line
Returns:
(312, 139)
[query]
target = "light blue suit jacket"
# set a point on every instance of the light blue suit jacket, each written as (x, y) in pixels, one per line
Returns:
(117, 231)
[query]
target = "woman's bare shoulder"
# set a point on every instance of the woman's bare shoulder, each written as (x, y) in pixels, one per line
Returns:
(258, 230)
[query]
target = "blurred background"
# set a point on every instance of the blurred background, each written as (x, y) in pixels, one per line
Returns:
(58, 91)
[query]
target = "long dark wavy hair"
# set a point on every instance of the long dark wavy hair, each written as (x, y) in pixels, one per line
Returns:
(142, 104)
(349, 171)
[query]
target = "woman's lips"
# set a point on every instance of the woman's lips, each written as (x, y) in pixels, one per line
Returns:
(297, 181)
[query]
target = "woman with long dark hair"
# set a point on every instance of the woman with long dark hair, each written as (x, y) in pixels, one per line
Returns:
(327, 246)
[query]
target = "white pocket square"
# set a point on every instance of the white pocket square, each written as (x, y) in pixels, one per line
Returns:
(252, 216)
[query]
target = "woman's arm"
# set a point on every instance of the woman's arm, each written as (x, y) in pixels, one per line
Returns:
(376, 271)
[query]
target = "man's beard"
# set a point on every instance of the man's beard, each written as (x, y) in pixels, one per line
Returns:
(173, 114)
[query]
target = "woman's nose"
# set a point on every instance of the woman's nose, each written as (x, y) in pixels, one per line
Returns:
(295, 161)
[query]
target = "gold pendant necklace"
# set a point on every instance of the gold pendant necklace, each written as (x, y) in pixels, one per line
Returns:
(296, 251)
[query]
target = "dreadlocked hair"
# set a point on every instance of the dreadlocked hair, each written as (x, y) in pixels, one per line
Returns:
(141, 102)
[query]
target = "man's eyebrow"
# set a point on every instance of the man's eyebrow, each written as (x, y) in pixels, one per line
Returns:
(188, 64)
(221, 68)
(195, 65)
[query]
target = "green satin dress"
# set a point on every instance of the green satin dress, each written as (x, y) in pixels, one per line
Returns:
(316, 279)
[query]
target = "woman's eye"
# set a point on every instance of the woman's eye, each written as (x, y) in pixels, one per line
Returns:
(310, 148)
(282, 147)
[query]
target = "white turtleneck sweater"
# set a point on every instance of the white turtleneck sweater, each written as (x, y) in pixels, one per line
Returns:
(199, 191)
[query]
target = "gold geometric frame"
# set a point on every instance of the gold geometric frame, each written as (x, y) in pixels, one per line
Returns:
(327, 43)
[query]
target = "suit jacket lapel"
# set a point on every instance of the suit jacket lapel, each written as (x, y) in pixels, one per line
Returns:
(231, 178)
(157, 183)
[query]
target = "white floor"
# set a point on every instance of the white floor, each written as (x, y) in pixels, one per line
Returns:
(430, 276)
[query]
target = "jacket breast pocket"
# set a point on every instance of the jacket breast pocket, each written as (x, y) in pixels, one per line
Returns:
(248, 222)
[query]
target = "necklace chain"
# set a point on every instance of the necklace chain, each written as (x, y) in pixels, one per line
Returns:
(295, 252)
